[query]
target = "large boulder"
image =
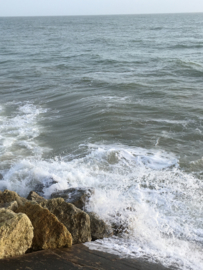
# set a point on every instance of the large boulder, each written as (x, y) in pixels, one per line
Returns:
(99, 229)
(49, 232)
(10, 205)
(33, 196)
(16, 233)
(75, 220)
(9, 196)
(77, 196)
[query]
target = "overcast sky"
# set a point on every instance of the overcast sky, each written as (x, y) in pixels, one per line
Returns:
(96, 7)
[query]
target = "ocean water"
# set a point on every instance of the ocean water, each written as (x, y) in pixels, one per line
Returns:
(114, 103)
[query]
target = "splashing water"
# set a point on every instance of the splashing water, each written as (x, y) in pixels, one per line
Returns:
(158, 206)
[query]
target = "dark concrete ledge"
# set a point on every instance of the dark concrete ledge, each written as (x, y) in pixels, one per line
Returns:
(77, 257)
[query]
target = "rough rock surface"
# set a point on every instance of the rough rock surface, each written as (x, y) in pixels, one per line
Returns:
(99, 229)
(16, 233)
(77, 196)
(79, 257)
(39, 188)
(75, 220)
(10, 205)
(33, 196)
(10, 196)
(48, 231)
(119, 228)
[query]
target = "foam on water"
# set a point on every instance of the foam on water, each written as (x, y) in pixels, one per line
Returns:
(19, 130)
(142, 191)
(158, 206)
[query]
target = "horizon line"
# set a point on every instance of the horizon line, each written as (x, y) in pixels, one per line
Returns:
(78, 15)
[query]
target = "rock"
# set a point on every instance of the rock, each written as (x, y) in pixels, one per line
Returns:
(33, 196)
(99, 229)
(119, 228)
(39, 188)
(10, 196)
(77, 196)
(49, 232)
(75, 220)
(16, 233)
(10, 206)
(121, 225)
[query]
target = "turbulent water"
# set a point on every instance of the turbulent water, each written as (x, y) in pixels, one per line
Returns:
(114, 103)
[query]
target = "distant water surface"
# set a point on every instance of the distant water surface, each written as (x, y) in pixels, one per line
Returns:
(114, 103)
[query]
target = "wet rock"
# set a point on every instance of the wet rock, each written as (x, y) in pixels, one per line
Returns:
(121, 224)
(10, 206)
(39, 188)
(79, 257)
(75, 220)
(99, 229)
(49, 232)
(119, 229)
(16, 233)
(33, 196)
(10, 196)
(77, 196)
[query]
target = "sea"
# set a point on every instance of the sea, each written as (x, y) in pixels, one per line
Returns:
(113, 103)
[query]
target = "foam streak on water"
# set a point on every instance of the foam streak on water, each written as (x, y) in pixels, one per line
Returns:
(18, 131)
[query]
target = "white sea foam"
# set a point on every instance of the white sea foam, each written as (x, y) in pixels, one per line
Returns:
(158, 205)
(183, 122)
(113, 100)
(109, 100)
(20, 129)
(144, 191)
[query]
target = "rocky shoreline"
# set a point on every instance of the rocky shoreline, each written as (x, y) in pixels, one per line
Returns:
(39, 233)
(36, 223)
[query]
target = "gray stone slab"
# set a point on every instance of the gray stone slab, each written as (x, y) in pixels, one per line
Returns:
(77, 257)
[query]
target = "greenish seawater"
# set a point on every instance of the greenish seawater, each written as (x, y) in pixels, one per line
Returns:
(114, 103)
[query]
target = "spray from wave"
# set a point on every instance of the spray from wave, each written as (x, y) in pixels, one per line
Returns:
(143, 191)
